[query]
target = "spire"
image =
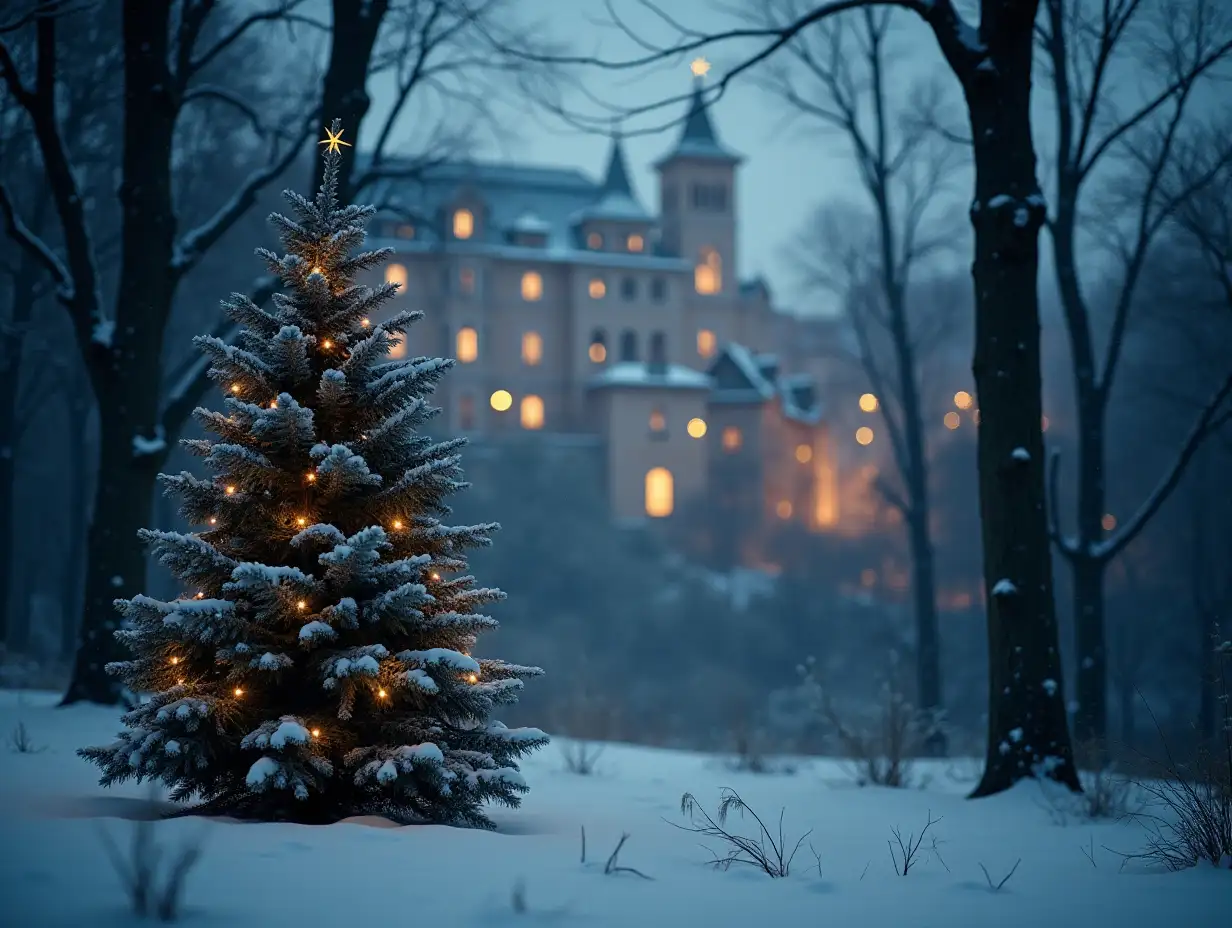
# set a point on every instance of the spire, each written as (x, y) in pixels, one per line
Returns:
(697, 137)
(617, 179)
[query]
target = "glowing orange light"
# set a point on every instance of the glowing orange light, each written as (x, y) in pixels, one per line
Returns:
(473, 678)
(962, 399)
(951, 420)
(316, 733)
(381, 693)
(230, 490)
(273, 404)
(199, 595)
(1108, 522)
(175, 660)
(239, 691)
(868, 402)
(235, 388)
(301, 605)
(327, 344)
(365, 322)
(213, 521)
(435, 575)
(311, 477)
(397, 523)
(301, 521)
(180, 681)
(864, 435)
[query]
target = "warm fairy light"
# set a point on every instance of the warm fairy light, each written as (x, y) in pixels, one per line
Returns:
(301, 605)
(180, 682)
(175, 660)
(199, 595)
(230, 490)
(696, 428)
(316, 733)
(213, 521)
(311, 477)
(239, 691)
(700, 67)
(235, 388)
(473, 678)
(317, 270)
(301, 521)
(1108, 522)
(381, 693)
(327, 344)
(364, 322)
(804, 453)
(951, 420)
(962, 399)
(868, 402)
(864, 435)
(273, 404)
(397, 523)
(435, 575)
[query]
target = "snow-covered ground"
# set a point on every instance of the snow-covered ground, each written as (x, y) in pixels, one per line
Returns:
(54, 871)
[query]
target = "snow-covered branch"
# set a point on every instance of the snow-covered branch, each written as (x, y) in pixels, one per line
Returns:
(1067, 546)
(35, 247)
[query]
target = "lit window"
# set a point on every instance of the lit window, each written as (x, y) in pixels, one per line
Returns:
(706, 343)
(708, 275)
(825, 492)
(532, 412)
(868, 402)
(532, 286)
(501, 400)
(396, 274)
(657, 421)
(732, 439)
(406, 231)
(696, 428)
(467, 345)
(532, 348)
(1108, 522)
(466, 412)
(463, 223)
(466, 280)
(594, 241)
(864, 435)
(398, 348)
(635, 242)
(783, 509)
(804, 453)
(659, 493)
(951, 420)
(596, 288)
(962, 399)
(597, 352)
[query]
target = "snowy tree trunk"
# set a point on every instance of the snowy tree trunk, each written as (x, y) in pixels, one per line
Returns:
(127, 372)
(1027, 718)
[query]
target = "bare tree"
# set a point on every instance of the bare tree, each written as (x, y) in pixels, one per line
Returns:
(164, 60)
(1176, 45)
(993, 62)
(840, 75)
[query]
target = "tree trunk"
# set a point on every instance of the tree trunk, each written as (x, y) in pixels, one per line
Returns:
(79, 523)
(1027, 726)
(1129, 720)
(344, 93)
(1090, 653)
(11, 356)
(127, 373)
(928, 643)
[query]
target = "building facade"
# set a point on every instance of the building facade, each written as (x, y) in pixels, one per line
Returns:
(573, 310)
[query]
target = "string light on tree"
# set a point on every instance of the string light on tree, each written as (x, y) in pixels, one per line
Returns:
(700, 67)
(260, 613)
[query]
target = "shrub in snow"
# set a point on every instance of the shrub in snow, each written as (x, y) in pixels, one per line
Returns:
(320, 665)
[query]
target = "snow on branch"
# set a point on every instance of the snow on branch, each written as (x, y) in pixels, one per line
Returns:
(193, 246)
(1067, 546)
(35, 246)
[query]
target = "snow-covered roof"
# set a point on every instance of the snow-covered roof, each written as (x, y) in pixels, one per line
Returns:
(748, 366)
(639, 374)
(529, 221)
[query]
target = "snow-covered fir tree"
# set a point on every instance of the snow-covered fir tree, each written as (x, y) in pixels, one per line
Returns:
(319, 664)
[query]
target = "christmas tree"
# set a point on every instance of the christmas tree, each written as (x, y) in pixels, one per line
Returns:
(319, 666)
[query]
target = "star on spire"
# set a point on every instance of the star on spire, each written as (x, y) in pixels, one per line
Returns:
(700, 67)
(333, 140)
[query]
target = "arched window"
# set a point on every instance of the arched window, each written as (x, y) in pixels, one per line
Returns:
(467, 345)
(708, 274)
(532, 348)
(707, 344)
(463, 223)
(597, 352)
(628, 345)
(658, 349)
(396, 274)
(532, 412)
(532, 286)
(660, 493)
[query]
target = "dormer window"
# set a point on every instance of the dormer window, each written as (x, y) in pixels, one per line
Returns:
(463, 223)
(635, 243)
(594, 241)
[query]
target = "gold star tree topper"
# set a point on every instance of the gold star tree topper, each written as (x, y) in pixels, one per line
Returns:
(333, 140)
(700, 67)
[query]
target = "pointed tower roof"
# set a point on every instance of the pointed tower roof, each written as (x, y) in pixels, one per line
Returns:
(698, 138)
(616, 200)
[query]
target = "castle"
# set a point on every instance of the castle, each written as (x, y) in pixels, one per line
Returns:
(572, 310)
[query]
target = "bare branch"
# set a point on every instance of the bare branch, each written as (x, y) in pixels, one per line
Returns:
(1066, 546)
(35, 247)
(282, 11)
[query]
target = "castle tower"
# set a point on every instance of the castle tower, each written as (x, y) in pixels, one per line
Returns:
(697, 198)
